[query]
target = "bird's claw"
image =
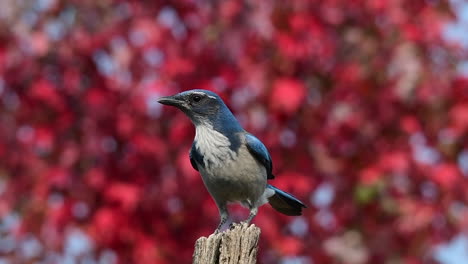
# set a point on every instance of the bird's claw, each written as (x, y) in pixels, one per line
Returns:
(232, 226)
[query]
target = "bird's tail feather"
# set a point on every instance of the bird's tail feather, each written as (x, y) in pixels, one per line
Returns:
(284, 202)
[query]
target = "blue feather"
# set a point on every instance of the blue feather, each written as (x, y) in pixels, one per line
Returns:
(285, 194)
(260, 152)
(196, 158)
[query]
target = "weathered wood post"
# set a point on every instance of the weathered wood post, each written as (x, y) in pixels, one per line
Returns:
(237, 245)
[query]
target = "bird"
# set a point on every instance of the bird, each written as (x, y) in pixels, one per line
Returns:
(234, 165)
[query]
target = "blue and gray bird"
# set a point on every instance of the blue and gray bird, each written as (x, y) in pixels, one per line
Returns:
(233, 164)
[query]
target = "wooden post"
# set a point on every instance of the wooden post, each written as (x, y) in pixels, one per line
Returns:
(236, 245)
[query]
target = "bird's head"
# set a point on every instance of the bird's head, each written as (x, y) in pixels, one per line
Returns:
(201, 106)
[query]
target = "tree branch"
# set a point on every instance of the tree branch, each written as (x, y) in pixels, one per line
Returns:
(237, 245)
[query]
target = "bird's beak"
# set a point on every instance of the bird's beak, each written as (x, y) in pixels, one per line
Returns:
(170, 100)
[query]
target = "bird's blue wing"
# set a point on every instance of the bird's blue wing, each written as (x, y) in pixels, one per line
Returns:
(195, 157)
(260, 152)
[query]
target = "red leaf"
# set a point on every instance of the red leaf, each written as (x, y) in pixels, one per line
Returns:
(446, 175)
(96, 178)
(410, 124)
(288, 94)
(395, 161)
(291, 246)
(46, 92)
(370, 175)
(127, 195)
(58, 177)
(105, 225)
(459, 116)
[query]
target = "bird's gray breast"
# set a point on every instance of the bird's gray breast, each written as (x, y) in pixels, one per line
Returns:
(240, 179)
(229, 174)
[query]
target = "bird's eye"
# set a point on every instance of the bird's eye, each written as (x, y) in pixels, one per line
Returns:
(196, 98)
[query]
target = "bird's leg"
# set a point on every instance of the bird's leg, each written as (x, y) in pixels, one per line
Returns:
(224, 214)
(253, 213)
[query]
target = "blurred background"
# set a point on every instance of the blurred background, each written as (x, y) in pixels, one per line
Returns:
(362, 104)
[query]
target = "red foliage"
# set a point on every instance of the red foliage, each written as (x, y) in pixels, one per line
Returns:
(291, 89)
(358, 102)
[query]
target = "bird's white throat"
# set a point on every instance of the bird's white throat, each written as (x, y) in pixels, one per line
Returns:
(213, 146)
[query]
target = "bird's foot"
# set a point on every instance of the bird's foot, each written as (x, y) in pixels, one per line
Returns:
(232, 226)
